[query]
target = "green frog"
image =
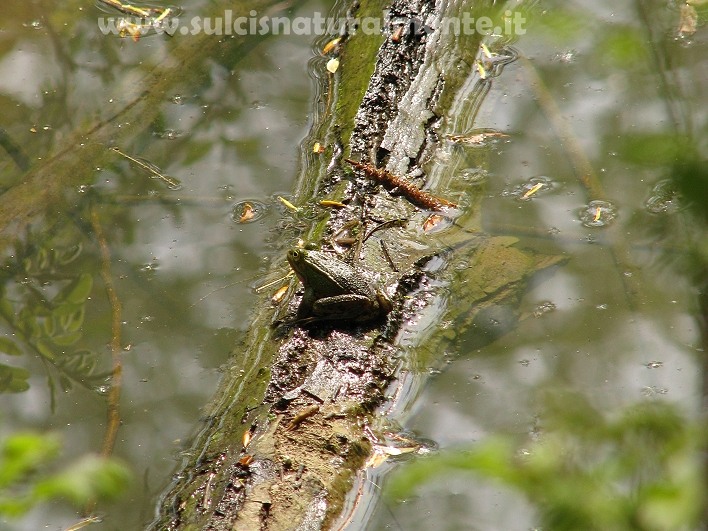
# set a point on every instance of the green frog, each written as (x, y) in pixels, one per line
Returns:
(334, 289)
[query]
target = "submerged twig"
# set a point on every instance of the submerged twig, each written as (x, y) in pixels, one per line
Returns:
(113, 412)
(116, 350)
(581, 164)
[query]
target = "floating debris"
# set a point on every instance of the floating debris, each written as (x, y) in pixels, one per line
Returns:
(654, 364)
(478, 137)
(333, 65)
(150, 18)
(598, 214)
(279, 294)
(248, 211)
(531, 188)
(155, 171)
(332, 46)
(288, 204)
(332, 204)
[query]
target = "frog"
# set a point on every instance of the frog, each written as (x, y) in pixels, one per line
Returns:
(335, 289)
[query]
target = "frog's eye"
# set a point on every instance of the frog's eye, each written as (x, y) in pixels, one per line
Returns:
(295, 254)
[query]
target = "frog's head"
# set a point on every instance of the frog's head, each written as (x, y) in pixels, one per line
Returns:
(297, 258)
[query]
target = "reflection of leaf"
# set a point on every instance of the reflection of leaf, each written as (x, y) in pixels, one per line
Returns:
(6, 309)
(13, 379)
(69, 316)
(621, 47)
(67, 339)
(195, 151)
(8, 346)
(649, 149)
(44, 349)
(86, 479)
(22, 487)
(77, 291)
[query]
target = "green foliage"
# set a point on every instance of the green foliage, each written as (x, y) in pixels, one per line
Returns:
(639, 469)
(25, 481)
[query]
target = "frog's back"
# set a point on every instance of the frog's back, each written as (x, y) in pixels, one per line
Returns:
(343, 278)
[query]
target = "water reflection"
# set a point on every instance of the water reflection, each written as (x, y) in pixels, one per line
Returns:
(618, 323)
(177, 260)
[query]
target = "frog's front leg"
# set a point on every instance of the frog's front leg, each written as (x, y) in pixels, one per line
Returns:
(349, 306)
(306, 304)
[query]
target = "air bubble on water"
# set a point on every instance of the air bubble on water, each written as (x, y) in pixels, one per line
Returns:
(601, 306)
(177, 99)
(150, 267)
(169, 134)
(567, 57)
(473, 175)
(543, 308)
(663, 199)
(461, 265)
(83, 188)
(147, 319)
(102, 389)
(650, 391)
(654, 364)
(597, 214)
(174, 184)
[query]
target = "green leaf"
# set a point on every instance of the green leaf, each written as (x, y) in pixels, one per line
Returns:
(8, 346)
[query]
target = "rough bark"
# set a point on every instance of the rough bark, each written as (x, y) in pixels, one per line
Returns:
(289, 427)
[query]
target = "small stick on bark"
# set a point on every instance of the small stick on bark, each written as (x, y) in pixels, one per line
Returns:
(411, 192)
